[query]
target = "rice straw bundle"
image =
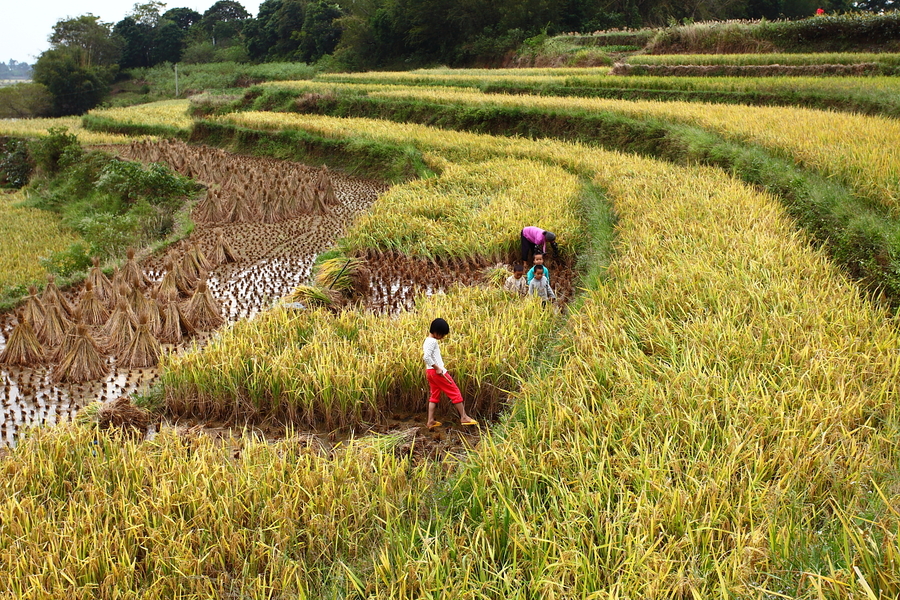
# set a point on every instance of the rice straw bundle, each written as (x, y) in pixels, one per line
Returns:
(103, 288)
(152, 314)
(324, 192)
(186, 282)
(121, 413)
(138, 302)
(132, 273)
(143, 350)
(83, 362)
(92, 311)
(196, 256)
(341, 273)
(166, 290)
(52, 295)
(203, 310)
(34, 310)
(176, 327)
(120, 326)
(223, 252)
(314, 296)
(55, 327)
(22, 347)
(210, 209)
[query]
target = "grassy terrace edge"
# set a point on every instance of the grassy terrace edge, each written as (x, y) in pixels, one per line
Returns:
(860, 236)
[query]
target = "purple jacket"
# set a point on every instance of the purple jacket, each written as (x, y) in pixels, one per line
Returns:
(535, 235)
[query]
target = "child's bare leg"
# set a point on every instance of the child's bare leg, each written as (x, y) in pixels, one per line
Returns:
(463, 417)
(431, 422)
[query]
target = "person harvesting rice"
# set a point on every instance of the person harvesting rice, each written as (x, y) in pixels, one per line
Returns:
(439, 379)
(534, 239)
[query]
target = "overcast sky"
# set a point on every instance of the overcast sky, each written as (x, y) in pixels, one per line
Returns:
(25, 25)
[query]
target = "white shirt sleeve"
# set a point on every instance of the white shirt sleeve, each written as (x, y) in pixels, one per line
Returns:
(432, 353)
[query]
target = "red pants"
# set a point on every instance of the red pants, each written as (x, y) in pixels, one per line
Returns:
(442, 383)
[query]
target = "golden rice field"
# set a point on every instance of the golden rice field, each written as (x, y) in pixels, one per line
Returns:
(862, 151)
(40, 127)
(28, 234)
(597, 77)
(328, 371)
(716, 418)
(472, 210)
(165, 112)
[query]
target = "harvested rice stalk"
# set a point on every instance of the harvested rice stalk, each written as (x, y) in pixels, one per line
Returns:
(340, 273)
(176, 326)
(153, 314)
(310, 295)
(203, 310)
(83, 362)
(52, 295)
(166, 290)
(496, 275)
(92, 310)
(196, 256)
(223, 252)
(103, 287)
(120, 327)
(34, 311)
(132, 273)
(55, 327)
(186, 282)
(22, 348)
(121, 413)
(143, 350)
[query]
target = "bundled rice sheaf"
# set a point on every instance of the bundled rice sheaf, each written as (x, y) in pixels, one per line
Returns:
(34, 311)
(313, 295)
(138, 302)
(496, 275)
(167, 290)
(103, 287)
(186, 282)
(143, 350)
(23, 348)
(176, 326)
(325, 196)
(52, 295)
(196, 256)
(223, 253)
(55, 327)
(120, 327)
(203, 309)
(210, 210)
(122, 414)
(132, 273)
(153, 314)
(82, 362)
(92, 310)
(343, 274)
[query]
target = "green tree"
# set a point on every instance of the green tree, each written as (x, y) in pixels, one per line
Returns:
(320, 32)
(89, 42)
(75, 89)
(24, 100)
(223, 20)
(185, 18)
(137, 43)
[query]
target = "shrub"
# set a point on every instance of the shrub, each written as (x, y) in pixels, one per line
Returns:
(15, 163)
(64, 263)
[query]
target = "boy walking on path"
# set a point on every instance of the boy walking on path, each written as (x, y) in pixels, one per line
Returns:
(439, 379)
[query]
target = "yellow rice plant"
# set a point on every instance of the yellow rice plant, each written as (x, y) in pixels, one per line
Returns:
(719, 400)
(28, 234)
(40, 127)
(87, 515)
(328, 370)
(165, 112)
(472, 210)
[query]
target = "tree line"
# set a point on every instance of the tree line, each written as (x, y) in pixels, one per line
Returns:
(86, 54)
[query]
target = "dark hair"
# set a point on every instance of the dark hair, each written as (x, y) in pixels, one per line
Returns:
(518, 267)
(439, 327)
(549, 236)
(539, 253)
(538, 268)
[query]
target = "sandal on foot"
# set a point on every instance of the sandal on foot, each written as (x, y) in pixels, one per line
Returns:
(435, 424)
(470, 422)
